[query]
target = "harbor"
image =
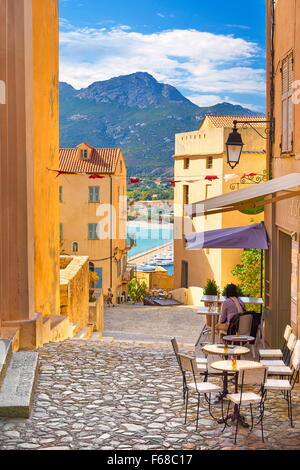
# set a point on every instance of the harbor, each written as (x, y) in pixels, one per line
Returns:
(157, 256)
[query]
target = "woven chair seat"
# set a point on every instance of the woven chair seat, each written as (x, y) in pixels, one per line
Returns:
(247, 398)
(275, 362)
(275, 384)
(270, 353)
(279, 370)
(204, 387)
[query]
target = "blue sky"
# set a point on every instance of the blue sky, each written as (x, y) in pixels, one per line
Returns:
(211, 51)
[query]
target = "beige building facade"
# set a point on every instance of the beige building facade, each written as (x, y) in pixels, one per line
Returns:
(93, 212)
(202, 154)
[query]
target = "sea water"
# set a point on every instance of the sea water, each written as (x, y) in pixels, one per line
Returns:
(148, 236)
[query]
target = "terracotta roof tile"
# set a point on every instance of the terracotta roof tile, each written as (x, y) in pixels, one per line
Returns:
(101, 161)
(227, 121)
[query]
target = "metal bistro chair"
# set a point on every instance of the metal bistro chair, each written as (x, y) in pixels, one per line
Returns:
(278, 353)
(189, 368)
(284, 363)
(244, 328)
(253, 376)
(201, 365)
(287, 386)
(199, 360)
(260, 336)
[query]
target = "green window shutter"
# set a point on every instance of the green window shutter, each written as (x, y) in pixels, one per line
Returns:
(61, 231)
(93, 232)
(60, 194)
(94, 194)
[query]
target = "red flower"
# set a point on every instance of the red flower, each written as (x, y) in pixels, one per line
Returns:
(135, 180)
(249, 175)
(96, 176)
(211, 178)
(63, 173)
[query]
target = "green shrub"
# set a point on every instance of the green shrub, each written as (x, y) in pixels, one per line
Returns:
(211, 288)
(136, 290)
(238, 288)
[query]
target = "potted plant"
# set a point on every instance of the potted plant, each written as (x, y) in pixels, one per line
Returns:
(211, 288)
(238, 288)
(136, 290)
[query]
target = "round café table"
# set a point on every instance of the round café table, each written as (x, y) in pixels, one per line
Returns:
(238, 339)
(215, 315)
(226, 368)
(237, 351)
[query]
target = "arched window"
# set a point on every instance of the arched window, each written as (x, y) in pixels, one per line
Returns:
(91, 266)
(75, 247)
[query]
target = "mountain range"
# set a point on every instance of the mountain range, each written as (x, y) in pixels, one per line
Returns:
(136, 113)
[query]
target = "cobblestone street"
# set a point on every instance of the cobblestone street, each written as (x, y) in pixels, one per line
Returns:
(109, 395)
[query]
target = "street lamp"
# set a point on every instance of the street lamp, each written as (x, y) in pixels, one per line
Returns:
(235, 144)
(234, 147)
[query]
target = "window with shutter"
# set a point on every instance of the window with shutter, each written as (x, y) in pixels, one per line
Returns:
(185, 194)
(287, 114)
(92, 232)
(94, 194)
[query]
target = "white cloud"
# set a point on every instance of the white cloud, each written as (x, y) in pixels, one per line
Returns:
(205, 100)
(188, 59)
(211, 100)
(166, 16)
(240, 26)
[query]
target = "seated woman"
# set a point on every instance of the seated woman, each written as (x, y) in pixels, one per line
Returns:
(230, 308)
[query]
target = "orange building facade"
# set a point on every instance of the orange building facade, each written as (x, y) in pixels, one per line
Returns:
(93, 212)
(29, 133)
(283, 218)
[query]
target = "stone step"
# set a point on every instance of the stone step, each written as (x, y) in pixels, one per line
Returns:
(84, 332)
(74, 328)
(17, 389)
(60, 328)
(96, 335)
(5, 356)
(11, 334)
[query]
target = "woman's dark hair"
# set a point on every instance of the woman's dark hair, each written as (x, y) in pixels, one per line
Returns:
(231, 291)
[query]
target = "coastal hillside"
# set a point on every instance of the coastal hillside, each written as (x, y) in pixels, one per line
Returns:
(134, 112)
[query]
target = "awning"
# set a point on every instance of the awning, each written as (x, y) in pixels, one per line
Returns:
(250, 236)
(250, 197)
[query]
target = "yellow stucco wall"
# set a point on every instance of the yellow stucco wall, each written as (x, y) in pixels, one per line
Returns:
(159, 279)
(74, 290)
(214, 263)
(46, 155)
(76, 212)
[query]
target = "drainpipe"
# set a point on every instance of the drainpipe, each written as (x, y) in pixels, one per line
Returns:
(272, 89)
(111, 232)
(273, 268)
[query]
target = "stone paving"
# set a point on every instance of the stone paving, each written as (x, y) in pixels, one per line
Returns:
(109, 395)
(137, 322)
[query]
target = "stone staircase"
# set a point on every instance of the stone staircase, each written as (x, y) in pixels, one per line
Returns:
(18, 369)
(18, 372)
